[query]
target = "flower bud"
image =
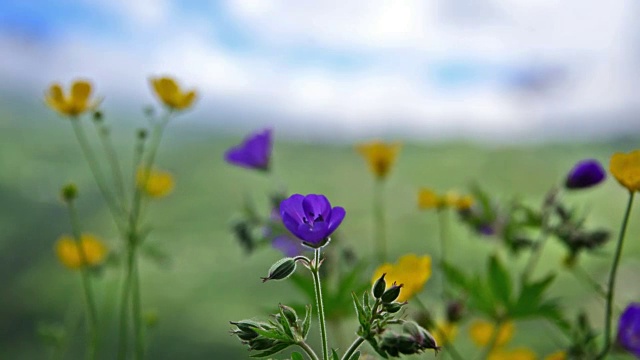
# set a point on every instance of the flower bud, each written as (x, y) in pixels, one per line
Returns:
(391, 294)
(97, 116)
(142, 134)
(289, 313)
(282, 269)
(393, 308)
(455, 310)
(262, 344)
(379, 287)
(69, 192)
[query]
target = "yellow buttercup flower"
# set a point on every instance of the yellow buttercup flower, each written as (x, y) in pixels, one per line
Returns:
(464, 202)
(412, 271)
(429, 199)
(626, 169)
(558, 355)
(380, 156)
(444, 333)
(171, 95)
(159, 183)
(515, 354)
(481, 333)
(69, 254)
(77, 102)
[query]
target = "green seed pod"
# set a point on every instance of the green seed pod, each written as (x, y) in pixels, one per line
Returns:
(282, 269)
(290, 314)
(69, 192)
(391, 294)
(393, 308)
(379, 287)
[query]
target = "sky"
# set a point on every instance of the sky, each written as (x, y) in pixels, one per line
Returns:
(488, 69)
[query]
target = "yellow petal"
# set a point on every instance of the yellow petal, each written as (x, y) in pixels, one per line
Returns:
(167, 91)
(411, 271)
(79, 101)
(55, 99)
(450, 198)
(515, 354)
(481, 333)
(626, 169)
(158, 183)
(187, 100)
(464, 202)
(445, 333)
(428, 199)
(379, 156)
(69, 253)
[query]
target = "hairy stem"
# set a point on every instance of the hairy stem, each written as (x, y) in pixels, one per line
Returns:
(307, 349)
(315, 271)
(352, 349)
(379, 228)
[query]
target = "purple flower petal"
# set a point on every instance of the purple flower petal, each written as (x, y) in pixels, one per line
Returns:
(293, 207)
(253, 153)
(337, 215)
(312, 234)
(315, 205)
(585, 174)
(629, 329)
(311, 218)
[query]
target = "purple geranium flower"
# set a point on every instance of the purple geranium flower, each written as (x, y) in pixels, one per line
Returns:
(311, 218)
(253, 153)
(585, 174)
(629, 329)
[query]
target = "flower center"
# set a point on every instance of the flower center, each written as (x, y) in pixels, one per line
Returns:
(311, 219)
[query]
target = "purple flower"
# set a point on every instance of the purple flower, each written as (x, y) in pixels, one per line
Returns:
(311, 218)
(585, 174)
(288, 245)
(629, 329)
(253, 153)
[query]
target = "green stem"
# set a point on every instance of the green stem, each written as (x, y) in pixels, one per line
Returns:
(137, 311)
(315, 271)
(379, 227)
(114, 164)
(92, 315)
(612, 279)
(124, 306)
(307, 349)
(442, 225)
(352, 349)
(582, 275)
(97, 174)
(534, 256)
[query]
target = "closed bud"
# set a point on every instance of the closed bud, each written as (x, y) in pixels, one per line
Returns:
(262, 344)
(245, 329)
(379, 287)
(391, 294)
(393, 308)
(290, 314)
(455, 310)
(142, 134)
(97, 116)
(69, 192)
(282, 269)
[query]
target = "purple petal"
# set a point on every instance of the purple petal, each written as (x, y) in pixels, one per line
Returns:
(315, 205)
(254, 152)
(312, 234)
(335, 219)
(585, 174)
(293, 207)
(629, 329)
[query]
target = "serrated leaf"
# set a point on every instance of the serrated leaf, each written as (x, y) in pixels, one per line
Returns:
(481, 298)
(272, 334)
(530, 297)
(499, 281)
(306, 323)
(362, 318)
(296, 356)
(276, 349)
(282, 319)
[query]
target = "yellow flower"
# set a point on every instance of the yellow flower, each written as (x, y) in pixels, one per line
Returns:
(481, 333)
(380, 156)
(445, 333)
(558, 355)
(159, 183)
(515, 354)
(626, 169)
(428, 199)
(69, 254)
(411, 271)
(170, 93)
(464, 202)
(76, 103)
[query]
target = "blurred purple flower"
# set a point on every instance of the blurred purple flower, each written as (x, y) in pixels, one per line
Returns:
(585, 174)
(629, 329)
(253, 153)
(311, 218)
(288, 245)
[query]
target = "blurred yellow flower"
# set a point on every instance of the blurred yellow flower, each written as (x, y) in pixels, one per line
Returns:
(380, 156)
(69, 254)
(429, 199)
(159, 183)
(558, 355)
(170, 93)
(412, 271)
(445, 332)
(515, 354)
(76, 103)
(626, 169)
(481, 333)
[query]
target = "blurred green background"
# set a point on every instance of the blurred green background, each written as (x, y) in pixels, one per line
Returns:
(208, 280)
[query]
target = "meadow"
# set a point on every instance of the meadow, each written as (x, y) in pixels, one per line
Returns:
(196, 278)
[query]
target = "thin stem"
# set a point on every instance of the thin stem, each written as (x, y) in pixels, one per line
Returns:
(307, 349)
(443, 228)
(114, 164)
(534, 256)
(352, 349)
(315, 271)
(137, 311)
(612, 279)
(379, 227)
(582, 275)
(97, 173)
(92, 314)
(124, 306)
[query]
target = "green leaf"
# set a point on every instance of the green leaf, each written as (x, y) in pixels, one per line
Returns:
(355, 356)
(296, 356)
(276, 349)
(306, 323)
(334, 355)
(481, 298)
(362, 317)
(531, 297)
(272, 334)
(455, 276)
(499, 281)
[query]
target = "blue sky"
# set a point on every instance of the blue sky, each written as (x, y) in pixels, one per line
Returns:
(445, 68)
